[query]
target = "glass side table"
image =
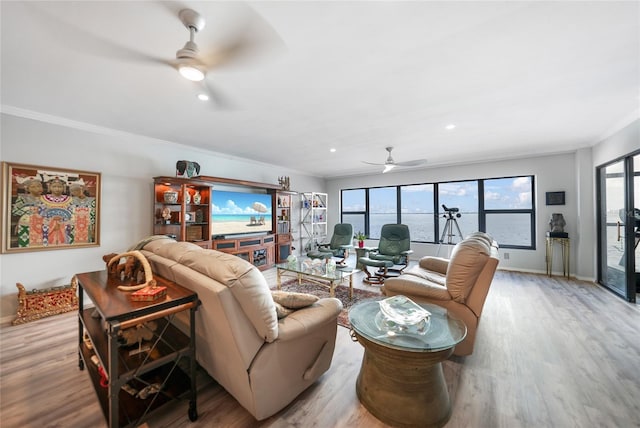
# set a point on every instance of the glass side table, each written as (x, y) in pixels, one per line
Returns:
(401, 381)
(362, 252)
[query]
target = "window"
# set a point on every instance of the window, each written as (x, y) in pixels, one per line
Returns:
(383, 209)
(354, 204)
(508, 211)
(502, 207)
(463, 196)
(417, 211)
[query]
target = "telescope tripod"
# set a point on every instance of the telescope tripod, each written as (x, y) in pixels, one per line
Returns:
(448, 230)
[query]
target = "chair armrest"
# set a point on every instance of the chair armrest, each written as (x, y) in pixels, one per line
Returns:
(435, 264)
(415, 287)
(303, 321)
(407, 252)
(346, 246)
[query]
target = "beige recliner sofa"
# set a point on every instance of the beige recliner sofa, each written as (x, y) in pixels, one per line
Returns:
(265, 363)
(460, 284)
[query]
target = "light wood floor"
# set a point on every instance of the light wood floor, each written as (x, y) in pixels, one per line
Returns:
(549, 353)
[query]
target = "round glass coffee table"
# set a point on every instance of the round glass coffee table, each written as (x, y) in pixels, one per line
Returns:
(401, 380)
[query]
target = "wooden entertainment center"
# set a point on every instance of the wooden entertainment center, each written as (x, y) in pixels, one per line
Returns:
(182, 209)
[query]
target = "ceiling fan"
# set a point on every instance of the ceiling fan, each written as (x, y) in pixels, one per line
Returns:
(187, 60)
(193, 65)
(389, 164)
(241, 37)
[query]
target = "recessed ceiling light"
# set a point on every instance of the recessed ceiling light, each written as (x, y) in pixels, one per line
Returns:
(332, 150)
(450, 126)
(203, 97)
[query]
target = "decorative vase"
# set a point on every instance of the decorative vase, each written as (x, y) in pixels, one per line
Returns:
(360, 244)
(187, 197)
(196, 197)
(331, 266)
(170, 197)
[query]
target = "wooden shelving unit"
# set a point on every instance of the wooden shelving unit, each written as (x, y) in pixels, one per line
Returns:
(284, 240)
(189, 218)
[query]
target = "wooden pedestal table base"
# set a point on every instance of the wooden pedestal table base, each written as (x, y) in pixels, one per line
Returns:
(403, 388)
(401, 381)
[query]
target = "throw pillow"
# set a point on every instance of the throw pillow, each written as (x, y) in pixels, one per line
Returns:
(293, 300)
(281, 311)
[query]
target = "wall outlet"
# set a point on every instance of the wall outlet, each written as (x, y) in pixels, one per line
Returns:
(506, 256)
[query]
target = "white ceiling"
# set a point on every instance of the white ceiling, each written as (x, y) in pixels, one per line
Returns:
(516, 78)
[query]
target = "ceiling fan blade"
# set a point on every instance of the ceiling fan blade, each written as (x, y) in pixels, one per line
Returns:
(416, 162)
(247, 40)
(374, 163)
(81, 40)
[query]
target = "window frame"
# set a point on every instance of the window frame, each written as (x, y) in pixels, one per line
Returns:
(482, 211)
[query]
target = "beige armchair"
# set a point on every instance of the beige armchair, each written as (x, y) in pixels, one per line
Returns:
(460, 284)
(263, 362)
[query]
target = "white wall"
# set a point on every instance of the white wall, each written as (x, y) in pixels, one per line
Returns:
(127, 164)
(552, 173)
(621, 143)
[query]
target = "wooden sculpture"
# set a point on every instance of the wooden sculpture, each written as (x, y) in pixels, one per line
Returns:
(127, 266)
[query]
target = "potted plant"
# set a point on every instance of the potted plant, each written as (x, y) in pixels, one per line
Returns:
(360, 237)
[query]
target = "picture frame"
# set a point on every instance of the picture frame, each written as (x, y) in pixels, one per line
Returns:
(555, 198)
(49, 208)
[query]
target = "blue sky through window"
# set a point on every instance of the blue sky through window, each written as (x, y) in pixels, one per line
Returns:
(508, 193)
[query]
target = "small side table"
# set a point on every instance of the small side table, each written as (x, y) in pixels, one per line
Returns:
(362, 252)
(401, 380)
(565, 245)
(157, 365)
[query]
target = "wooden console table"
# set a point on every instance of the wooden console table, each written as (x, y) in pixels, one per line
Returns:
(130, 372)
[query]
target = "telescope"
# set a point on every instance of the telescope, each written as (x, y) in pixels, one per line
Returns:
(450, 212)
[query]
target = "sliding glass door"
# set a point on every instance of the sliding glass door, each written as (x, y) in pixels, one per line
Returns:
(619, 225)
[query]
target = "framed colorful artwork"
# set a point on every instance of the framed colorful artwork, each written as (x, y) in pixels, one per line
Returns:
(48, 208)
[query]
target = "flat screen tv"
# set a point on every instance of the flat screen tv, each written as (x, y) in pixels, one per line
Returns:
(234, 213)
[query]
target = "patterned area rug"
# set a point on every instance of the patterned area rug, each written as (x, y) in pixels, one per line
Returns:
(342, 293)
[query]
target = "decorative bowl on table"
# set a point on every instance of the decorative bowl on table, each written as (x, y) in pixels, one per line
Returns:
(399, 314)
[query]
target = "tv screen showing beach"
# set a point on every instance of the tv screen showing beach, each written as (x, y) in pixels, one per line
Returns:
(237, 212)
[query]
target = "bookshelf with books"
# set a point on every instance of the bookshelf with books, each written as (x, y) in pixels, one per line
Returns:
(283, 225)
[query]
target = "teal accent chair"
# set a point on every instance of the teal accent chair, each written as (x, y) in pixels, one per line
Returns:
(341, 242)
(394, 246)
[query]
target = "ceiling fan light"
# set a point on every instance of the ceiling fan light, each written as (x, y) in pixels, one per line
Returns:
(191, 72)
(388, 168)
